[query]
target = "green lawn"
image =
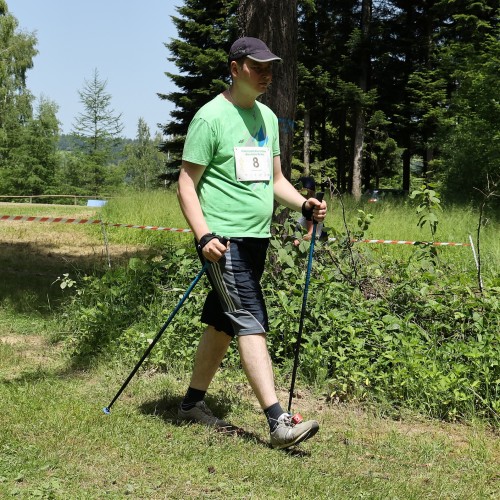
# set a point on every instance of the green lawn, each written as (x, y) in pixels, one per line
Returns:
(57, 443)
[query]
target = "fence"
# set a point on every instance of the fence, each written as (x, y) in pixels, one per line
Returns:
(73, 197)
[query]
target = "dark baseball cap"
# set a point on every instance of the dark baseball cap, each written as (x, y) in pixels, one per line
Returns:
(252, 48)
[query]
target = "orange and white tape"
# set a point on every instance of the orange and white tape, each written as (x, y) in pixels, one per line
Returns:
(405, 242)
(25, 218)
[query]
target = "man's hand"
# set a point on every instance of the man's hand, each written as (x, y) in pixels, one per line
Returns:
(214, 250)
(319, 209)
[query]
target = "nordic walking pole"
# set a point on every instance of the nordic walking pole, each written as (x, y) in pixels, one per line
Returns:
(319, 197)
(107, 409)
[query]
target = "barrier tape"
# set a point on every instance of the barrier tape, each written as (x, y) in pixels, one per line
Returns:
(404, 242)
(25, 218)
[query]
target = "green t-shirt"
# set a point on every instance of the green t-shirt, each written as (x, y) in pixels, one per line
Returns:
(231, 207)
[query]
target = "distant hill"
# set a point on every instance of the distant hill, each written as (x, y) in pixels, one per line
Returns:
(68, 142)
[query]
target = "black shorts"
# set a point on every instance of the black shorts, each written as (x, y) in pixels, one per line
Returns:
(235, 305)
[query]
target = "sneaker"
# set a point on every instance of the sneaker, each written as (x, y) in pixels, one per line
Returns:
(201, 413)
(289, 434)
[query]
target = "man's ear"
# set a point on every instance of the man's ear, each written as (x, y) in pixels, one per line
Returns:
(234, 68)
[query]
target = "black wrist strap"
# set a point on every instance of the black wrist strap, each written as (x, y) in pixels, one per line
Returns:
(209, 237)
(307, 213)
(205, 239)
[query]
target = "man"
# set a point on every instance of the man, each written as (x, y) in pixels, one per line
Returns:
(230, 175)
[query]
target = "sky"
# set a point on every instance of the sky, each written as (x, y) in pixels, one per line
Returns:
(123, 39)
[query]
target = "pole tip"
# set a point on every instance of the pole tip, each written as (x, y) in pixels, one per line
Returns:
(107, 410)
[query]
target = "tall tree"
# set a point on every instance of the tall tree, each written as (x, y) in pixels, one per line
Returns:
(206, 31)
(97, 128)
(359, 112)
(98, 125)
(17, 51)
(280, 34)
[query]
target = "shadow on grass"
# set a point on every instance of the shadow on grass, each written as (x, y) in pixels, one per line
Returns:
(39, 374)
(166, 409)
(29, 270)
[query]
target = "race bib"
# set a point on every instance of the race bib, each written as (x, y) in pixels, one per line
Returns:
(252, 164)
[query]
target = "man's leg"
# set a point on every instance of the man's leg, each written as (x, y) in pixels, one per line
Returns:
(258, 369)
(211, 350)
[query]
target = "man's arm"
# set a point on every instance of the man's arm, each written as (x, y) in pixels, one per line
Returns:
(189, 177)
(288, 196)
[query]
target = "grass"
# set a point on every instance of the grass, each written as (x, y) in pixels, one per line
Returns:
(399, 222)
(393, 222)
(55, 441)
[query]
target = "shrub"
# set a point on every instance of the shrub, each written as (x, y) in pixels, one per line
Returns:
(387, 330)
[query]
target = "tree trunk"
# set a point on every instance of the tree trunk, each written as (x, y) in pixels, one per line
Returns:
(357, 167)
(307, 142)
(359, 132)
(406, 165)
(275, 23)
(341, 163)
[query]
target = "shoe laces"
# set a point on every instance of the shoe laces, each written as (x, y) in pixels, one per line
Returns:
(286, 419)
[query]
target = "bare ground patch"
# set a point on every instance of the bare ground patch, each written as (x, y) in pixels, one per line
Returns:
(30, 351)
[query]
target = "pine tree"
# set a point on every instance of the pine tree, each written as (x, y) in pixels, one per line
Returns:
(97, 129)
(98, 125)
(206, 32)
(200, 54)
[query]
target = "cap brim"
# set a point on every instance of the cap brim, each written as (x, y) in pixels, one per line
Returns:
(264, 57)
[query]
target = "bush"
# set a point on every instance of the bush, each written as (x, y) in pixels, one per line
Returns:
(414, 336)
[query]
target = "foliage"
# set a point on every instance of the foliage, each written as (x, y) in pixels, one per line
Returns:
(119, 311)
(470, 140)
(144, 164)
(375, 329)
(382, 152)
(33, 160)
(17, 50)
(428, 204)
